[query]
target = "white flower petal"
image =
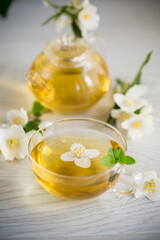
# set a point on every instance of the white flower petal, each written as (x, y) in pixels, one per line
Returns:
(83, 162)
(68, 157)
(139, 193)
(91, 8)
(137, 91)
(4, 126)
(45, 3)
(134, 133)
(88, 17)
(149, 175)
(126, 124)
(91, 153)
(137, 125)
(62, 21)
(21, 151)
(139, 102)
(147, 109)
(155, 194)
(16, 131)
(85, 3)
(119, 99)
(8, 154)
(77, 149)
(17, 117)
(115, 113)
(138, 178)
(148, 122)
(128, 103)
(13, 142)
(119, 125)
(3, 137)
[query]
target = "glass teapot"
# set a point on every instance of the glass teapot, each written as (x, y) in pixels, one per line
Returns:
(68, 75)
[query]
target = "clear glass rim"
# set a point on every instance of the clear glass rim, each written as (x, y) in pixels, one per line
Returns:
(117, 165)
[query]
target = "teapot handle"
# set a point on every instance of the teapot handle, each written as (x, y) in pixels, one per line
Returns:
(43, 90)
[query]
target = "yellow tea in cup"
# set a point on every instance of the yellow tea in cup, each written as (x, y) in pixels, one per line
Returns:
(66, 160)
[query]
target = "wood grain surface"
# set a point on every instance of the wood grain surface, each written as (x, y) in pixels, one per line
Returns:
(131, 29)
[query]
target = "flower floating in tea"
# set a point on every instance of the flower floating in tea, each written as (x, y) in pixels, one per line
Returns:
(80, 155)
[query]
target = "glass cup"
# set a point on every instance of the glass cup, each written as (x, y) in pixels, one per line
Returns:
(75, 187)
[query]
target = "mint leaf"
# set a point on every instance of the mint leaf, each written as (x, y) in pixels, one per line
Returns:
(38, 109)
(119, 155)
(32, 125)
(116, 156)
(76, 30)
(137, 78)
(112, 152)
(128, 160)
(108, 161)
(116, 153)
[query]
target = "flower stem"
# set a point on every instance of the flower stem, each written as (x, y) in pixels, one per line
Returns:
(53, 5)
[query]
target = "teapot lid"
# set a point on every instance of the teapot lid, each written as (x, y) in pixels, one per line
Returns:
(67, 50)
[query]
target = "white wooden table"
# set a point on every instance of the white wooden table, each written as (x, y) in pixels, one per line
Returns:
(131, 29)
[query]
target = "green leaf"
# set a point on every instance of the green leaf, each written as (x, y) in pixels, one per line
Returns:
(112, 152)
(52, 17)
(40, 131)
(139, 110)
(38, 109)
(48, 20)
(116, 156)
(72, 6)
(111, 120)
(4, 7)
(120, 154)
(108, 161)
(127, 160)
(32, 125)
(137, 78)
(124, 85)
(121, 84)
(57, 15)
(116, 106)
(76, 29)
